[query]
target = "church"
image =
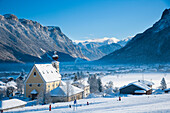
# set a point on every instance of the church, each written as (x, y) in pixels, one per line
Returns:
(46, 78)
(42, 78)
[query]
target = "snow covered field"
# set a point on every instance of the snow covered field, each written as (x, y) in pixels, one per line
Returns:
(131, 104)
(120, 80)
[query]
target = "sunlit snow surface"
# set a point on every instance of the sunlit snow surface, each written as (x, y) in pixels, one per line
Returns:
(132, 104)
(120, 80)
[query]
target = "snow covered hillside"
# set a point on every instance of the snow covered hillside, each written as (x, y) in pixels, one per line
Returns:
(130, 104)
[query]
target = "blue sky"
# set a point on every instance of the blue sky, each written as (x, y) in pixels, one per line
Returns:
(90, 19)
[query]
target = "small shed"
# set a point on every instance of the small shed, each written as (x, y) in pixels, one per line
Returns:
(11, 104)
(137, 88)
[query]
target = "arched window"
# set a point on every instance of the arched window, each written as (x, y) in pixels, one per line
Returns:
(34, 74)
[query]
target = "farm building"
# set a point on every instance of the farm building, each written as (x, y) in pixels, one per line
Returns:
(66, 92)
(82, 84)
(136, 88)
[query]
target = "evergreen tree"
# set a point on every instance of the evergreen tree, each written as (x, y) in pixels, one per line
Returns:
(100, 87)
(75, 78)
(163, 84)
(93, 83)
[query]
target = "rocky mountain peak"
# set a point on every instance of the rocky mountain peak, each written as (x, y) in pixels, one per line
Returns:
(166, 13)
(11, 16)
(1, 17)
(24, 40)
(54, 28)
(26, 21)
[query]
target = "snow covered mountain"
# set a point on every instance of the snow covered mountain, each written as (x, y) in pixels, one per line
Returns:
(23, 40)
(97, 48)
(125, 41)
(151, 46)
(102, 41)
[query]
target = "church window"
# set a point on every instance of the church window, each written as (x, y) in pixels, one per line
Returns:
(39, 85)
(34, 74)
(30, 85)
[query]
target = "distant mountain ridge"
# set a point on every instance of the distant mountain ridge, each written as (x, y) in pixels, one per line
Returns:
(97, 48)
(151, 46)
(23, 40)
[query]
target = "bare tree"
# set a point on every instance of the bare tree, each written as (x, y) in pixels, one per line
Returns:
(20, 86)
(3, 92)
(48, 98)
(10, 91)
(40, 97)
(69, 89)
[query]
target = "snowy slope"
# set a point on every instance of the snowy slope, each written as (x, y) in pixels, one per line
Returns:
(131, 104)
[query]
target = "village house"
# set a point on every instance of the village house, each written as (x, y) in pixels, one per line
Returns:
(42, 78)
(82, 84)
(137, 88)
(66, 92)
(11, 104)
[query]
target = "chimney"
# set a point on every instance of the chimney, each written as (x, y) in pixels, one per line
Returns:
(55, 63)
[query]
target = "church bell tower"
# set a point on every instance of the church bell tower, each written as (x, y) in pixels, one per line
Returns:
(55, 63)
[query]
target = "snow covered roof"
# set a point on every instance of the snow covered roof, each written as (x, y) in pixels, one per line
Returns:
(81, 83)
(34, 92)
(2, 83)
(6, 104)
(62, 91)
(62, 83)
(146, 82)
(167, 89)
(141, 85)
(48, 72)
(140, 91)
(138, 84)
(55, 55)
(12, 84)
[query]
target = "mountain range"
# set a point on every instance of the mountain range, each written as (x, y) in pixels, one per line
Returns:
(23, 40)
(97, 48)
(151, 46)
